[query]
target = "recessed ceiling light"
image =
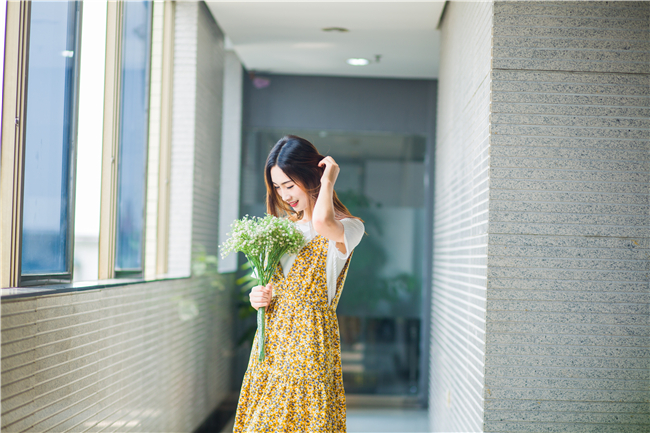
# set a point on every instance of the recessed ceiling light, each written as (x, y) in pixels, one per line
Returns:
(358, 62)
(312, 45)
(336, 29)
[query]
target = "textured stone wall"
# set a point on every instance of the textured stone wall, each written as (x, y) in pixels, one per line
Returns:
(460, 220)
(568, 335)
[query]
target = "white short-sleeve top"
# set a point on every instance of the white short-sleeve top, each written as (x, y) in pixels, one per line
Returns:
(354, 230)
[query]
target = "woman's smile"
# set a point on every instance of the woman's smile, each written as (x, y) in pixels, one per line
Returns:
(286, 189)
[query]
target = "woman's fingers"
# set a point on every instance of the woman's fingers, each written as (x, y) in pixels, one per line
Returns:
(260, 296)
(252, 297)
(331, 169)
(325, 161)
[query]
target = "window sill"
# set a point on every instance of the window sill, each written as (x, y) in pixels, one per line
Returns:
(52, 289)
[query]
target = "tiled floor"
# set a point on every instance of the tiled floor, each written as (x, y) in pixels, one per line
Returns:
(387, 420)
(381, 421)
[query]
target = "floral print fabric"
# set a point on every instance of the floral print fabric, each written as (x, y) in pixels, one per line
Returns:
(299, 386)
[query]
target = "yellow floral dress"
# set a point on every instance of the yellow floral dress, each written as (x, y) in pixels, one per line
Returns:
(299, 386)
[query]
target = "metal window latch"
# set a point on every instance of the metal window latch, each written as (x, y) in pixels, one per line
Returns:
(17, 121)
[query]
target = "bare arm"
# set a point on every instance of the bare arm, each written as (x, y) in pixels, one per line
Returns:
(323, 216)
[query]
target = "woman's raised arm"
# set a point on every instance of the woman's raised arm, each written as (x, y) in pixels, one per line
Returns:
(323, 216)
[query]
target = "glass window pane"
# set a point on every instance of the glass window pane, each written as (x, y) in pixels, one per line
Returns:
(133, 135)
(379, 312)
(48, 140)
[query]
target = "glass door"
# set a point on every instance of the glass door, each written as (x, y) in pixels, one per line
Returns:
(381, 181)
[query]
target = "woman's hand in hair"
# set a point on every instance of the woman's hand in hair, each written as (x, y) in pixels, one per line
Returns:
(331, 171)
(260, 296)
(323, 217)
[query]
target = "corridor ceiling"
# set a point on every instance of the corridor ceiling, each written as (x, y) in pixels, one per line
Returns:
(288, 37)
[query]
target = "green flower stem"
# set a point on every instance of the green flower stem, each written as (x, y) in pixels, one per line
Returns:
(265, 274)
(263, 241)
(260, 320)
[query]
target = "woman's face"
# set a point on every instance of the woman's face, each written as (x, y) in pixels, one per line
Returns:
(288, 190)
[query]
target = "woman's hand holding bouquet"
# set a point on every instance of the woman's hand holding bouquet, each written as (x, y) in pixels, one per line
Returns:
(260, 296)
(263, 241)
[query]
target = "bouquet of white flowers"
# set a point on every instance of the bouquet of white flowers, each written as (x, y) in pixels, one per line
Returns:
(263, 241)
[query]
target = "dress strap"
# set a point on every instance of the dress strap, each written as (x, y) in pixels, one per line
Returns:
(340, 281)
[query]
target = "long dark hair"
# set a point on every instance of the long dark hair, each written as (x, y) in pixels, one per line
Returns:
(298, 159)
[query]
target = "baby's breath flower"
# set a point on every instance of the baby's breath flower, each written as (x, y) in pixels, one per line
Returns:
(263, 241)
(261, 238)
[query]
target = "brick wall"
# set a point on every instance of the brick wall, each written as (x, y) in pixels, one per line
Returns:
(460, 220)
(568, 300)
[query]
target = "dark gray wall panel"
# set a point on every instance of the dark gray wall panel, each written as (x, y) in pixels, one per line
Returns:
(339, 103)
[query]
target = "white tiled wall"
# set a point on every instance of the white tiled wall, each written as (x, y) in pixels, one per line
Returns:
(141, 358)
(150, 357)
(207, 133)
(196, 135)
(460, 220)
(183, 137)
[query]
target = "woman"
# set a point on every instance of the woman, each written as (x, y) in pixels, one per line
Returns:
(299, 386)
